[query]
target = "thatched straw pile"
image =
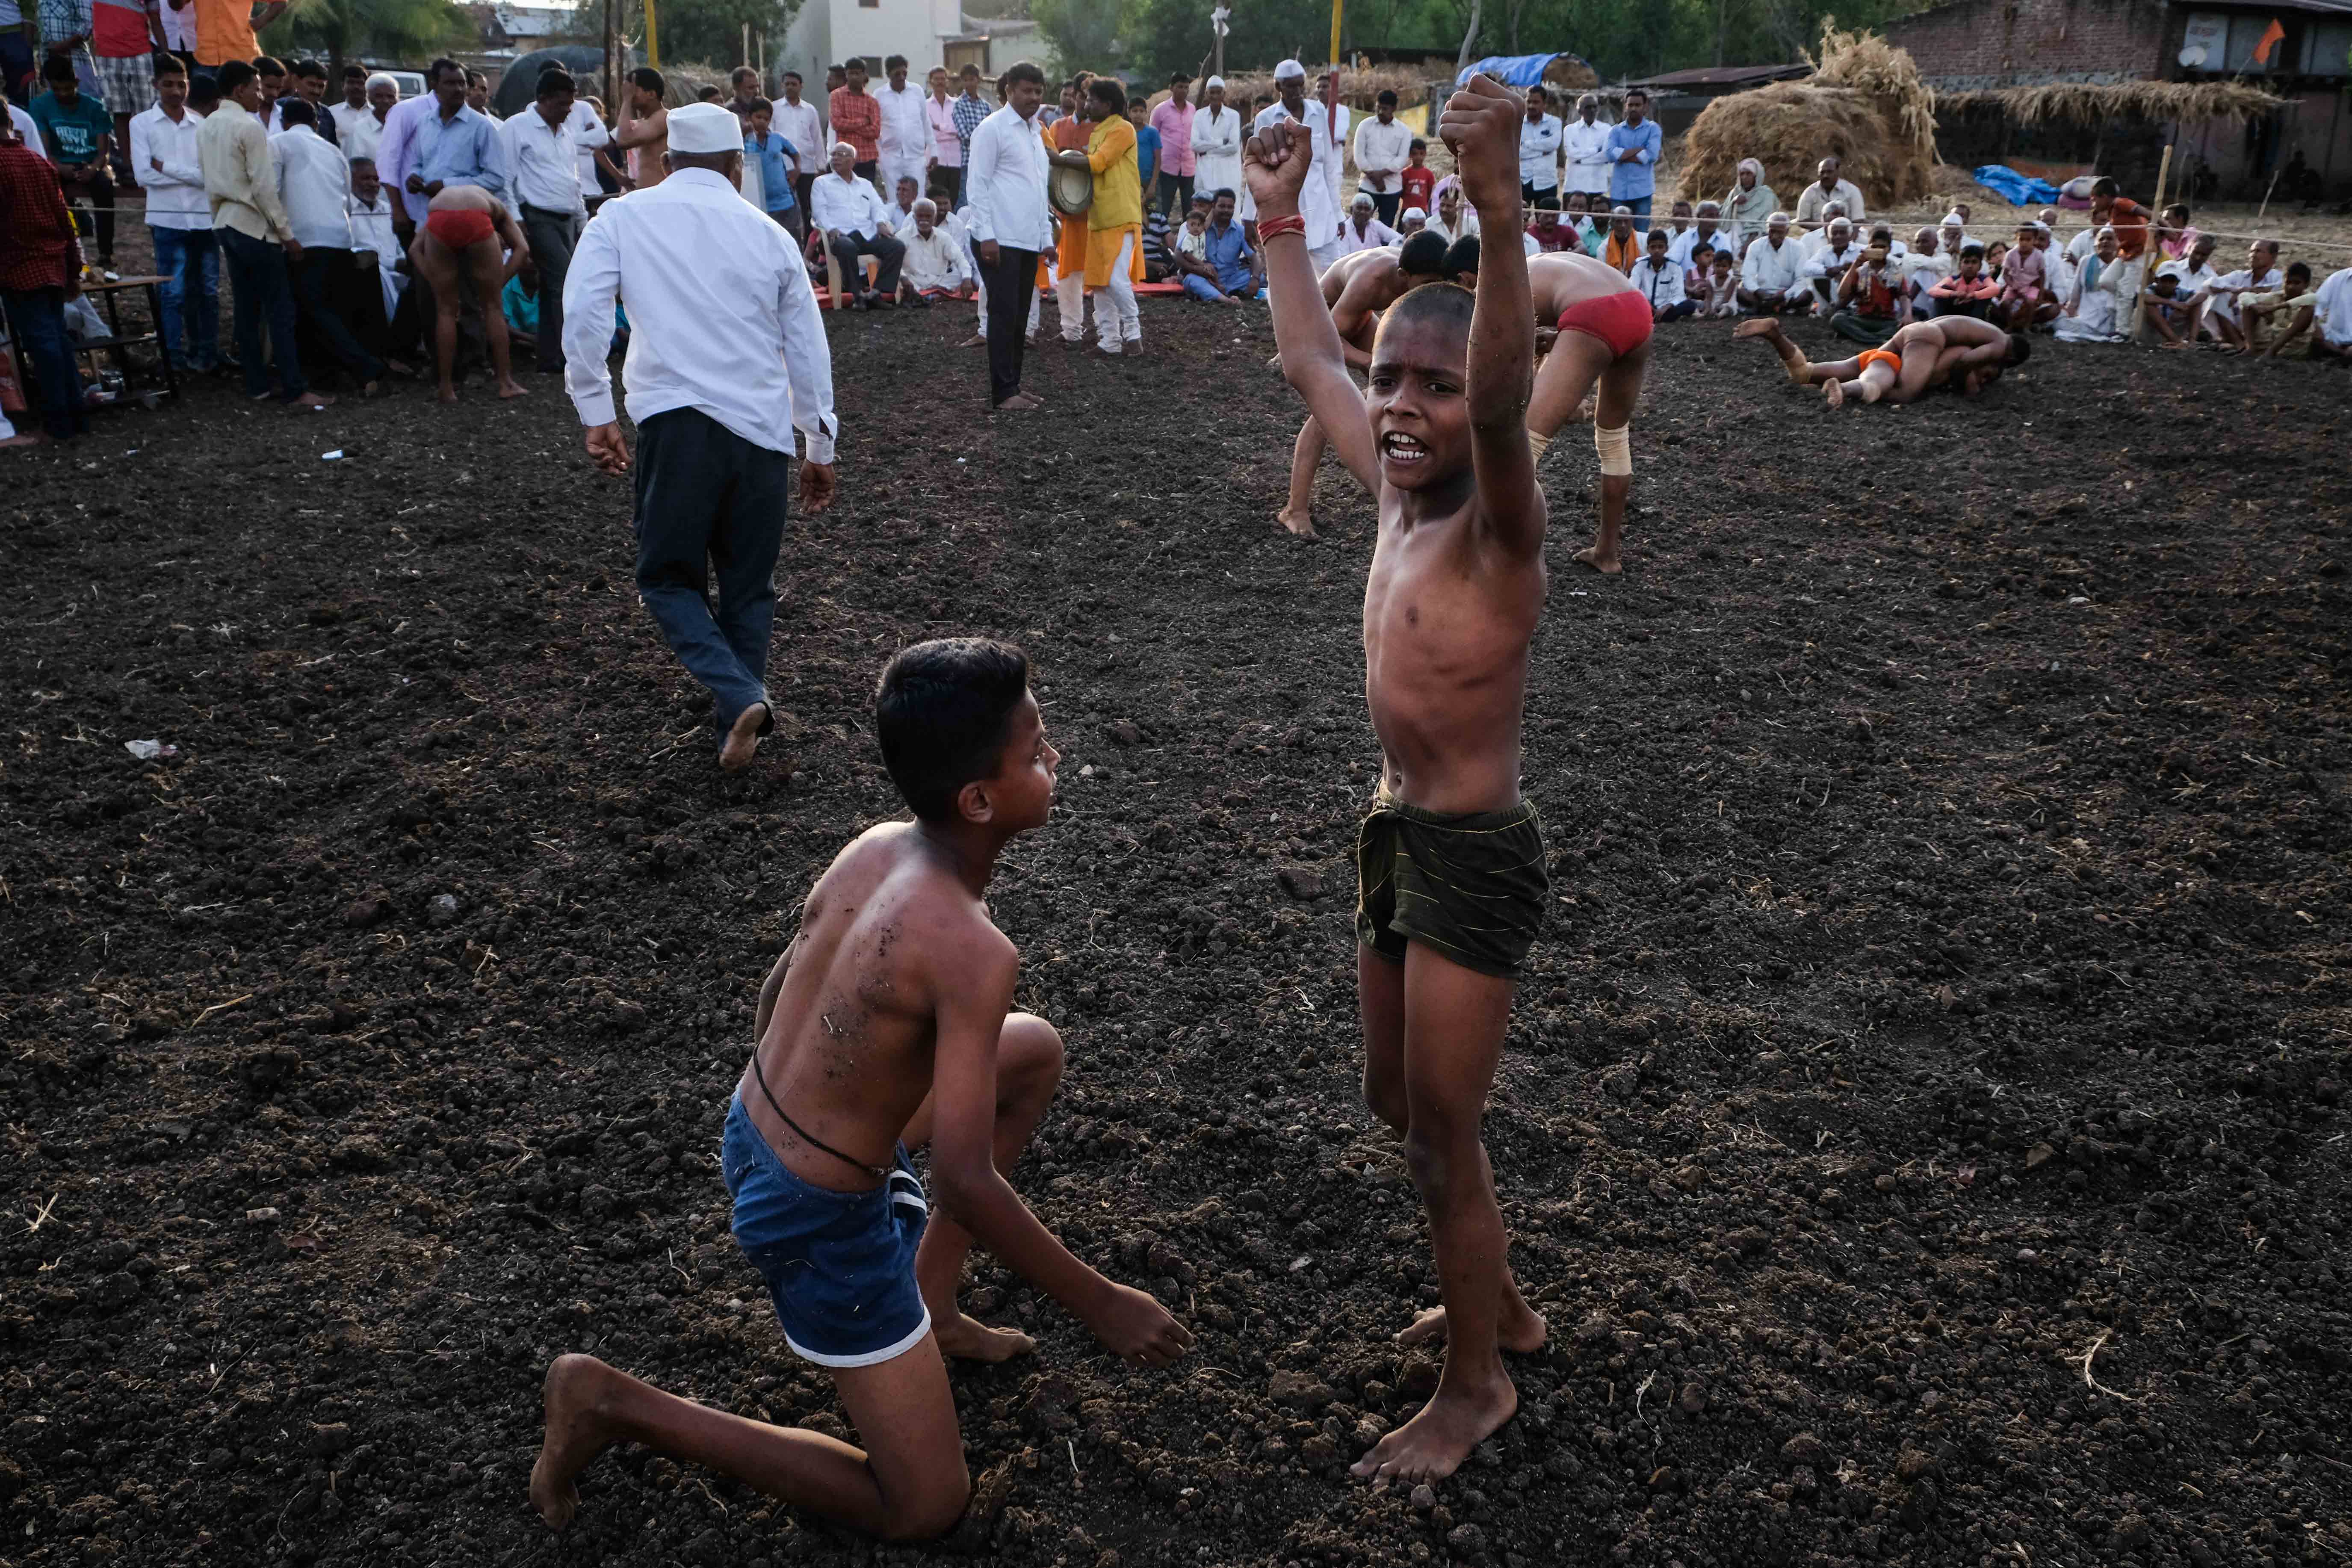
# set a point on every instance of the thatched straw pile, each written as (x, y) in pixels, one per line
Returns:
(1863, 102)
(2082, 103)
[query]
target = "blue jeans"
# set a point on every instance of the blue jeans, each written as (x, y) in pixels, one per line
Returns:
(189, 260)
(1201, 287)
(711, 503)
(258, 272)
(37, 320)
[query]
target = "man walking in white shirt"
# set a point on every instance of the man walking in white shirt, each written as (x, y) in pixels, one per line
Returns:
(179, 220)
(727, 356)
(855, 224)
(543, 162)
(1383, 143)
(1539, 141)
(1005, 212)
(315, 183)
(906, 131)
(1585, 142)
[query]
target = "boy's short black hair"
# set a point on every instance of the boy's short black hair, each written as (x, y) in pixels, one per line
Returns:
(1424, 255)
(1448, 303)
(940, 712)
(2105, 186)
(2299, 269)
(59, 68)
(168, 65)
(298, 111)
(1386, 99)
(232, 76)
(1462, 256)
(309, 70)
(644, 79)
(762, 106)
(268, 65)
(355, 72)
(1701, 246)
(1418, 146)
(203, 92)
(1972, 248)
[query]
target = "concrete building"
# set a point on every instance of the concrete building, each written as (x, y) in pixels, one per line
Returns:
(927, 32)
(2298, 49)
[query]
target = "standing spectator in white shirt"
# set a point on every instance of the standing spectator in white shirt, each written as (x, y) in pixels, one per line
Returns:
(1362, 229)
(727, 356)
(544, 181)
(1585, 142)
(179, 220)
(352, 104)
(906, 138)
(1540, 142)
(1216, 144)
(938, 266)
(1319, 200)
(1006, 213)
(1383, 145)
(314, 182)
(854, 223)
(796, 120)
(360, 135)
(1770, 271)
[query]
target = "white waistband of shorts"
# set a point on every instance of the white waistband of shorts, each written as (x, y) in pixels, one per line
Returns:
(871, 1358)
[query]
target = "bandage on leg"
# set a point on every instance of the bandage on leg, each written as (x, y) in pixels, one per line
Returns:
(1616, 448)
(1538, 445)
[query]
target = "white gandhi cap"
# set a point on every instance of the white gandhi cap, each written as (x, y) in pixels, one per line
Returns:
(704, 128)
(1287, 69)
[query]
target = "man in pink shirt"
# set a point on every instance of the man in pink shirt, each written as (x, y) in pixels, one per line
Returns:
(947, 147)
(1174, 121)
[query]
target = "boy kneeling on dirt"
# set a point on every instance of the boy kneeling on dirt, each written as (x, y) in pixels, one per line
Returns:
(883, 1026)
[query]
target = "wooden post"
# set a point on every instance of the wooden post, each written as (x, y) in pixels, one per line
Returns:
(611, 94)
(2139, 295)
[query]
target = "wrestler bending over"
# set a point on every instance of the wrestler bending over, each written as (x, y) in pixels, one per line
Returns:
(460, 240)
(1949, 351)
(1604, 338)
(1357, 289)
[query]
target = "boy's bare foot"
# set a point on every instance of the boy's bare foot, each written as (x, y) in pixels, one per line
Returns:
(575, 1436)
(1769, 328)
(311, 400)
(1432, 1444)
(743, 738)
(510, 387)
(1521, 1330)
(1301, 523)
(968, 1339)
(26, 438)
(1833, 393)
(447, 394)
(1608, 565)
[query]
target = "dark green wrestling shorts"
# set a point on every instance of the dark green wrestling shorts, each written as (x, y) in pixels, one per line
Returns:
(1473, 888)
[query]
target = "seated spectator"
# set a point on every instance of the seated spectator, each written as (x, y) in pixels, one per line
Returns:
(775, 158)
(1772, 270)
(78, 133)
(1225, 246)
(1815, 239)
(900, 213)
(1158, 251)
(1193, 266)
(1678, 215)
(1952, 234)
(852, 222)
(2175, 235)
(518, 302)
(1361, 229)
(1829, 190)
(314, 184)
(1707, 230)
(1546, 229)
(938, 266)
(1409, 222)
(1719, 294)
(1925, 266)
(2024, 282)
(373, 238)
(2278, 321)
(1749, 204)
(2331, 335)
(1996, 257)
(1970, 289)
(1658, 276)
(1869, 293)
(2170, 314)
(40, 269)
(2259, 276)
(1625, 246)
(1419, 180)
(1826, 267)
(1452, 219)
(2096, 314)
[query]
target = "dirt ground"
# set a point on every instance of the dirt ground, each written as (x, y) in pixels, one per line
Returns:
(1923, 1127)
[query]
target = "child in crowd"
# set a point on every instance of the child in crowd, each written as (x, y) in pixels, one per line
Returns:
(2278, 321)
(1996, 257)
(1419, 181)
(768, 152)
(1970, 289)
(1722, 287)
(2169, 316)
(2024, 279)
(886, 1024)
(1660, 281)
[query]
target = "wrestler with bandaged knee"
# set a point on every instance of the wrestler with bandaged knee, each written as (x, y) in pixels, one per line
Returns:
(1604, 347)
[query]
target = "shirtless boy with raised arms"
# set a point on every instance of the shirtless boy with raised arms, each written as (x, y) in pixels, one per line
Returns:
(885, 1026)
(1450, 861)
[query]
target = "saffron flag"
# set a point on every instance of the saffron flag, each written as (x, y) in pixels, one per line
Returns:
(2272, 36)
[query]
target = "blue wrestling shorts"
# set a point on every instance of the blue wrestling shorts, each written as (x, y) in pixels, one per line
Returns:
(840, 1267)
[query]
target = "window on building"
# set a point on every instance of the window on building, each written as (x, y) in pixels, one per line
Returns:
(2327, 49)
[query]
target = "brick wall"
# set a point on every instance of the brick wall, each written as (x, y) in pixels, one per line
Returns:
(2017, 43)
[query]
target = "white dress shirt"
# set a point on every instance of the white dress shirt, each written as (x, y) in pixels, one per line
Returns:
(175, 194)
(906, 131)
(30, 129)
(315, 184)
(179, 30)
(1217, 151)
(937, 260)
(1588, 155)
(2332, 301)
(798, 124)
(901, 219)
(1680, 246)
(2221, 293)
(1539, 152)
(1385, 148)
(1373, 235)
(588, 133)
(371, 231)
(722, 316)
(1004, 184)
(1830, 263)
(849, 205)
(1771, 270)
(359, 136)
(542, 163)
(1660, 282)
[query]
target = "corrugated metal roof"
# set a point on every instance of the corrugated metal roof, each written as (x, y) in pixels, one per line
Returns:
(1728, 75)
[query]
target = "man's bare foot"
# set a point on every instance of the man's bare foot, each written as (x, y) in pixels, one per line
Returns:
(1432, 1444)
(1021, 403)
(26, 438)
(1522, 1328)
(968, 1339)
(1608, 565)
(1301, 523)
(368, 389)
(743, 738)
(447, 394)
(312, 400)
(977, 341)
(510, 387)
(1769, 328)
(1833, 392)
(574, 1437)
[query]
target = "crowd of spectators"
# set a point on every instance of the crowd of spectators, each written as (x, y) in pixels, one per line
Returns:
(349, 259)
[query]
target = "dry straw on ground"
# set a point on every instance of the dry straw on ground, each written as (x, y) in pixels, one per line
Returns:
(1864, 103)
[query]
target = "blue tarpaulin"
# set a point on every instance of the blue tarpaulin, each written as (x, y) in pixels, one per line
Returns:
(2023, 190)
(1512, 71)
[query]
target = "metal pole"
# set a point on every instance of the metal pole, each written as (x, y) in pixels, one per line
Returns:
(611, 94)
(2139, 301)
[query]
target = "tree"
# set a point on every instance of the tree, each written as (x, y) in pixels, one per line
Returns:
(404, 30)
(710, 31)
(1085, 33)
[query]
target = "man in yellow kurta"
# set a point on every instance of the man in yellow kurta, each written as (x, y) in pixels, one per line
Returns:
(1114, 229)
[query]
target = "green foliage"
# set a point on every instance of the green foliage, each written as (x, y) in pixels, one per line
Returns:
(711, 31)
(1085, 33)
(408, 32)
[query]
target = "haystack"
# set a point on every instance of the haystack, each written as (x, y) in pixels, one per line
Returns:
(1864, 103)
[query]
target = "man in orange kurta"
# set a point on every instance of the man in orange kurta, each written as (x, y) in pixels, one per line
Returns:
(1070, 134)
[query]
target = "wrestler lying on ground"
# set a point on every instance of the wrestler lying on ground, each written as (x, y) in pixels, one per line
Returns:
(1950, 350)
